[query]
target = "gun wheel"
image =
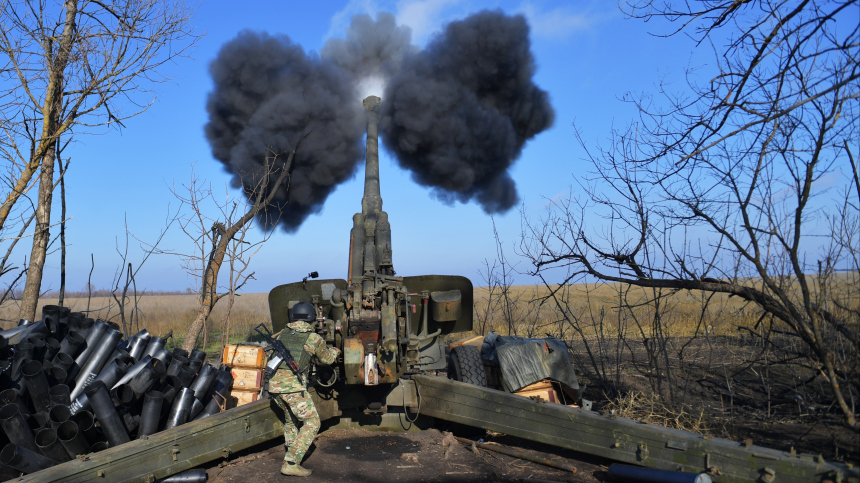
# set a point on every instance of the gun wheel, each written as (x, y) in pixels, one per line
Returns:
(465, 365)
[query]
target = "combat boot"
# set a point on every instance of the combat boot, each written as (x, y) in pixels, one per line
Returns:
(294, 469)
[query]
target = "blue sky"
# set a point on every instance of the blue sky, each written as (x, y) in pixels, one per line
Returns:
(588, 55)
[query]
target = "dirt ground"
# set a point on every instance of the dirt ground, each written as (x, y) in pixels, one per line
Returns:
(424, 456)
(724, 386)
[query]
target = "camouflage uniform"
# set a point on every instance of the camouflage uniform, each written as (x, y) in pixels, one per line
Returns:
(292, 396)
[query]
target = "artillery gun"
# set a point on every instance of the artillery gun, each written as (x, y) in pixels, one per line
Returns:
(389, 326)
(385, 325)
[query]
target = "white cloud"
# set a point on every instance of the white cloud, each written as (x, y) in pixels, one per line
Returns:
(557, 23)
(426, 17)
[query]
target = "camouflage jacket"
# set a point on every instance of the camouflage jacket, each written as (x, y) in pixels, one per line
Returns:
(284, 381)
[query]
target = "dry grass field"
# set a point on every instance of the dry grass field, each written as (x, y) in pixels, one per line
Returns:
(532, 310)
(160, 314)
(529, 312)
(675, 359)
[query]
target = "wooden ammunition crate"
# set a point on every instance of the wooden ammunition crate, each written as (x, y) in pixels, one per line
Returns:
(247, 379)
(476, 341)
(240, 398)
(236, 355)
(546, 390)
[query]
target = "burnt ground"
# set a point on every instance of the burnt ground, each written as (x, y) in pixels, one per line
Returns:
(371, 456)
(730, 387)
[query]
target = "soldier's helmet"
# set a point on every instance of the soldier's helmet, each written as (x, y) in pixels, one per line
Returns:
(302, 311)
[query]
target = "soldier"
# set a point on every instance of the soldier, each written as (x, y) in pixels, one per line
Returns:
(290, 394)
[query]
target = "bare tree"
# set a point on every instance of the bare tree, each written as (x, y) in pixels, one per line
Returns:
(224, 235)
(740, 187)
(68, 67)
(125, 278)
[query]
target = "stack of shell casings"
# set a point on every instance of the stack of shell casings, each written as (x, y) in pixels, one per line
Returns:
(71, 385)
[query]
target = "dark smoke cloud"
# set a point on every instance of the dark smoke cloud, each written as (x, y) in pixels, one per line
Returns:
(268, 94)
(458, 113)
(371, 48)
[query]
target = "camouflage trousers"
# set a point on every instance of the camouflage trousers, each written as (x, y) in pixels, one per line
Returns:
(298, 407)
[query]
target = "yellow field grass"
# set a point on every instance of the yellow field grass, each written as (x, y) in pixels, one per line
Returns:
(592, 308)
(160, 314)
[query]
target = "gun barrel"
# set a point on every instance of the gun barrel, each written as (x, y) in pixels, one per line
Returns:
(371, 204)
(370, 237)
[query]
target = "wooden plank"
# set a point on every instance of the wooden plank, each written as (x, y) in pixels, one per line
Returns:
(619, 439)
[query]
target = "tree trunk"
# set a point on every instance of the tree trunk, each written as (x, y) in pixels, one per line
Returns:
(208, 295)
(196, 327)
(221, 238)
(50, 130)
(41, 238)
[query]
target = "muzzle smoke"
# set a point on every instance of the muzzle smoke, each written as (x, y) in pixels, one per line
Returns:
(456, 114)
(268, 94)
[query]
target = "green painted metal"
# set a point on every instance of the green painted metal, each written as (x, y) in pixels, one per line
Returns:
(169, 452)
(442, 283)
(619, 439)
(282, 295)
